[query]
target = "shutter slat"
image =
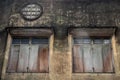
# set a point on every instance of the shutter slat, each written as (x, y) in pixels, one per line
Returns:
(13, 59)
(43, 58)
(97, 58)
(23, 58)
(33, 58)
(87, 58)
(107, 58)
(77, 59)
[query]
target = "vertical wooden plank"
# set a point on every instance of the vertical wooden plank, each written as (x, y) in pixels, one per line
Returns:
(23, 58)
(33, 58)
(97, 58)
(88, 65)
(13, 59)
(77, 59)
(107, 59)
(115, 55)
(43, 58)
(7, 50)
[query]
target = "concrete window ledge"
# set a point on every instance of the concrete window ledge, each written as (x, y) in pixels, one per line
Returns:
(95, 76)
(27, 76)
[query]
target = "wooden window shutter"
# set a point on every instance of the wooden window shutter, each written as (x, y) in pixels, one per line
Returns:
(107, 59)
(77, 59)
(33, 58)
(87, 58)
(43, 58)
(97, 58)
(23, 58)
(29, 55)
(12, 66)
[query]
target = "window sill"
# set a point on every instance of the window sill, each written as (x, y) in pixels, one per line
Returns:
(26, 76)
(93, 74)
(27, 73)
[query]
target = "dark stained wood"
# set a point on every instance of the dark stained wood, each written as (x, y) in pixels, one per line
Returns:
(77, 59)
(13, 59)
(92, 32)
(31, 32)
(33, 58)
(88, 64)
(23, 58)
(97, 58)
(43, 58)
(107, 58)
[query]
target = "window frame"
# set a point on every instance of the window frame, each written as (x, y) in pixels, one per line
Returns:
(112, 43)
(30, 44)
(37, 31)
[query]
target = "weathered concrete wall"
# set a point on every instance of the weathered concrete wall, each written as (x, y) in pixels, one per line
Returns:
(61, 14)
(118, 47)
(60, 62)
(5, 12)
(27, 76)
(95, 77)
(2, 48)
(57, 13)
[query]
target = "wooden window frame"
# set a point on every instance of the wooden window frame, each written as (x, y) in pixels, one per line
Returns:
(97, 31)
(29, 44)
(113, 45)
(8, 45)
(92, 44)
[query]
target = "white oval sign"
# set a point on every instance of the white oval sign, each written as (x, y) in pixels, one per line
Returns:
(31, 11)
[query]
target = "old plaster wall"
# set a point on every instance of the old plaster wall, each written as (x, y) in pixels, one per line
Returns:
(61, 14)
(66, 13)
(2, 48)
(60, 64)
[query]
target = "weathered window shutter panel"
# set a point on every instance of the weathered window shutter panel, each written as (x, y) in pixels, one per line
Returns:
(97, 58)
(77, 59)
(108, 59)
(23, 58)
(13, 59)
(93, 55)
(26, 55)
(43, 58)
